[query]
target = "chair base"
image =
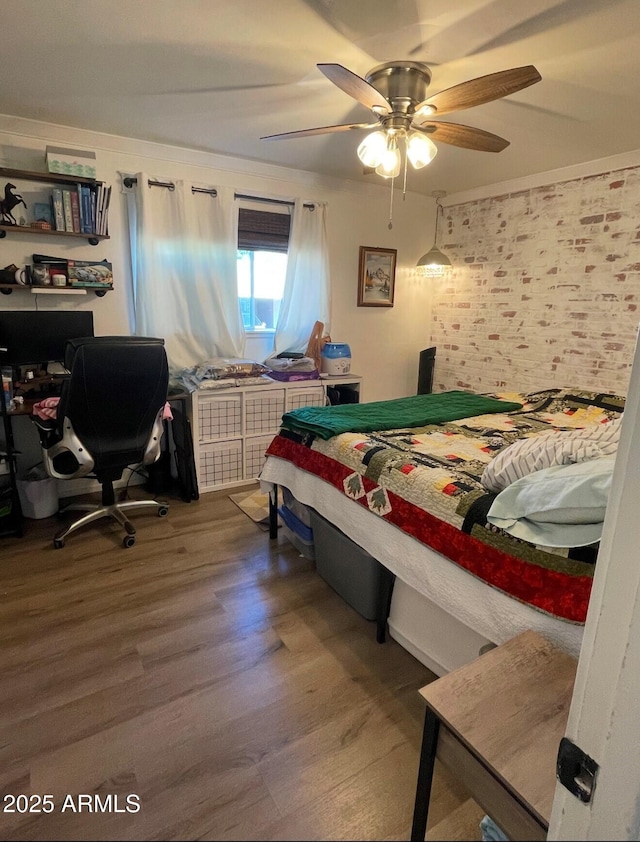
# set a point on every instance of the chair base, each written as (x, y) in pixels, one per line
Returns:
(96, 511)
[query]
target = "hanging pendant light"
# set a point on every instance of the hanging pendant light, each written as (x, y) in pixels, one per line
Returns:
(434, 263)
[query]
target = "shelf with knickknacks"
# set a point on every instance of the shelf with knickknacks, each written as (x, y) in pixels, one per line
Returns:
(58, 276)
(10, 199)
(46, 222)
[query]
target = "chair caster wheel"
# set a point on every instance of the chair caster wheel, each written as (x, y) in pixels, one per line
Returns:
(129, 541)
(58, 543)
(163, 511)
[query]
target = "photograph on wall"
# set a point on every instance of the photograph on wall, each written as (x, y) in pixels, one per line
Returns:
(376, 277)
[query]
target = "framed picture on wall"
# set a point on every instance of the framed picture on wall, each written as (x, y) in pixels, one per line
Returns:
(376, 277)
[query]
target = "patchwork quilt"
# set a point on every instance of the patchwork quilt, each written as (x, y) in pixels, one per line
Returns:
(427, 481)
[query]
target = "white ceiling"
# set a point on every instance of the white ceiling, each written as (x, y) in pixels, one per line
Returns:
(217, 76)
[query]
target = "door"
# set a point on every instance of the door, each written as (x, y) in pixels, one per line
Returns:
(604, 719)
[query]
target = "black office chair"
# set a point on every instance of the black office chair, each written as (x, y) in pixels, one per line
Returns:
(110, 417)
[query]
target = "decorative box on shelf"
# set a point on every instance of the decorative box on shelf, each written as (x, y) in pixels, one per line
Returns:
(71, 161)
(94, 274)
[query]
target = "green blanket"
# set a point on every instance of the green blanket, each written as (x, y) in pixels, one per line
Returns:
(414, 411)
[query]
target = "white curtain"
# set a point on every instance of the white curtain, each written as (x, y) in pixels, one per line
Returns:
(184, 254)
(306, 290)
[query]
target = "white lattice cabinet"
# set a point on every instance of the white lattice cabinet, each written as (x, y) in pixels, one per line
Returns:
(233, 427)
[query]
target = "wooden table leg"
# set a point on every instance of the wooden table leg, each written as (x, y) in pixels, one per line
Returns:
(425, 775)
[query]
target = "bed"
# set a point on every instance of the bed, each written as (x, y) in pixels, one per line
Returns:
(418, 496)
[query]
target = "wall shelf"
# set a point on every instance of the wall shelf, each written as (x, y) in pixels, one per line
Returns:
(93, 239)
(49, 178)
(37, 290)
(7, 289)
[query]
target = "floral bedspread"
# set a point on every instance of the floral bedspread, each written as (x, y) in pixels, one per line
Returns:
(426, 481)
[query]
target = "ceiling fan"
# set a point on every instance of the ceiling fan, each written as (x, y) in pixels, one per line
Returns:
(396, 93)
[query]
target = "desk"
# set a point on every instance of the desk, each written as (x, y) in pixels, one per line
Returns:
(496, 723)
(177, 449)
(44, 386)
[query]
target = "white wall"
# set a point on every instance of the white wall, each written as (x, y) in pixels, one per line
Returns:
(385, 342)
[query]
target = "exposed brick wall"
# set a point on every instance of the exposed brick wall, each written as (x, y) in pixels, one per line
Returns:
(545, 287)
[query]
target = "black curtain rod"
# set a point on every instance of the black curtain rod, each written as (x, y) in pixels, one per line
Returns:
(272, 201)
(129, 181)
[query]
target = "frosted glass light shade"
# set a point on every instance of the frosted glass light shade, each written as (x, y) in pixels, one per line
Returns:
(434, 263)
(372, 149)
(389, 167)
(420, 150)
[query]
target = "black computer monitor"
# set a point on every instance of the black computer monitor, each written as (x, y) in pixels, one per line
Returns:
(36, 337)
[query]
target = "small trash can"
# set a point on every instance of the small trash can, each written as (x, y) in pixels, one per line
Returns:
(38, 494)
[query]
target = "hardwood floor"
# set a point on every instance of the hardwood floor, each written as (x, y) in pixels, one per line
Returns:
(213, 674)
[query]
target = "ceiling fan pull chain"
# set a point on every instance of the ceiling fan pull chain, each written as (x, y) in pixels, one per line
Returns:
(390, 226)
(404, 180)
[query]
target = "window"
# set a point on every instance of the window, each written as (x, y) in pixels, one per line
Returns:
(263, 240)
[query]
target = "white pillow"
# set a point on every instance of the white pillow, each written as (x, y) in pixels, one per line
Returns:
(537, 452)
(561, 506)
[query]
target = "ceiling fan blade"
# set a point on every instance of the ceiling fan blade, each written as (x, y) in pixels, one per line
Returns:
(321, 130)
(356, 87)
(465, 136)
(483, 89)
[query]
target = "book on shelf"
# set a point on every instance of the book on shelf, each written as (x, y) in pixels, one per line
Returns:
(85, 216)
(68, 212)
(104, 212)
(75, 211)
(96, 194)
(97, 203)
(82, 209)
(97, 199)
(58, 209)
(92, 193)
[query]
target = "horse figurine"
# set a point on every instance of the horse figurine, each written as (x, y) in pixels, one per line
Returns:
(7, 204)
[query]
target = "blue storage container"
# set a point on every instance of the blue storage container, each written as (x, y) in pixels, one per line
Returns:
(295, 530)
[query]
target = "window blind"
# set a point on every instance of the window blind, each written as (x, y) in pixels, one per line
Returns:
(258, 230)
